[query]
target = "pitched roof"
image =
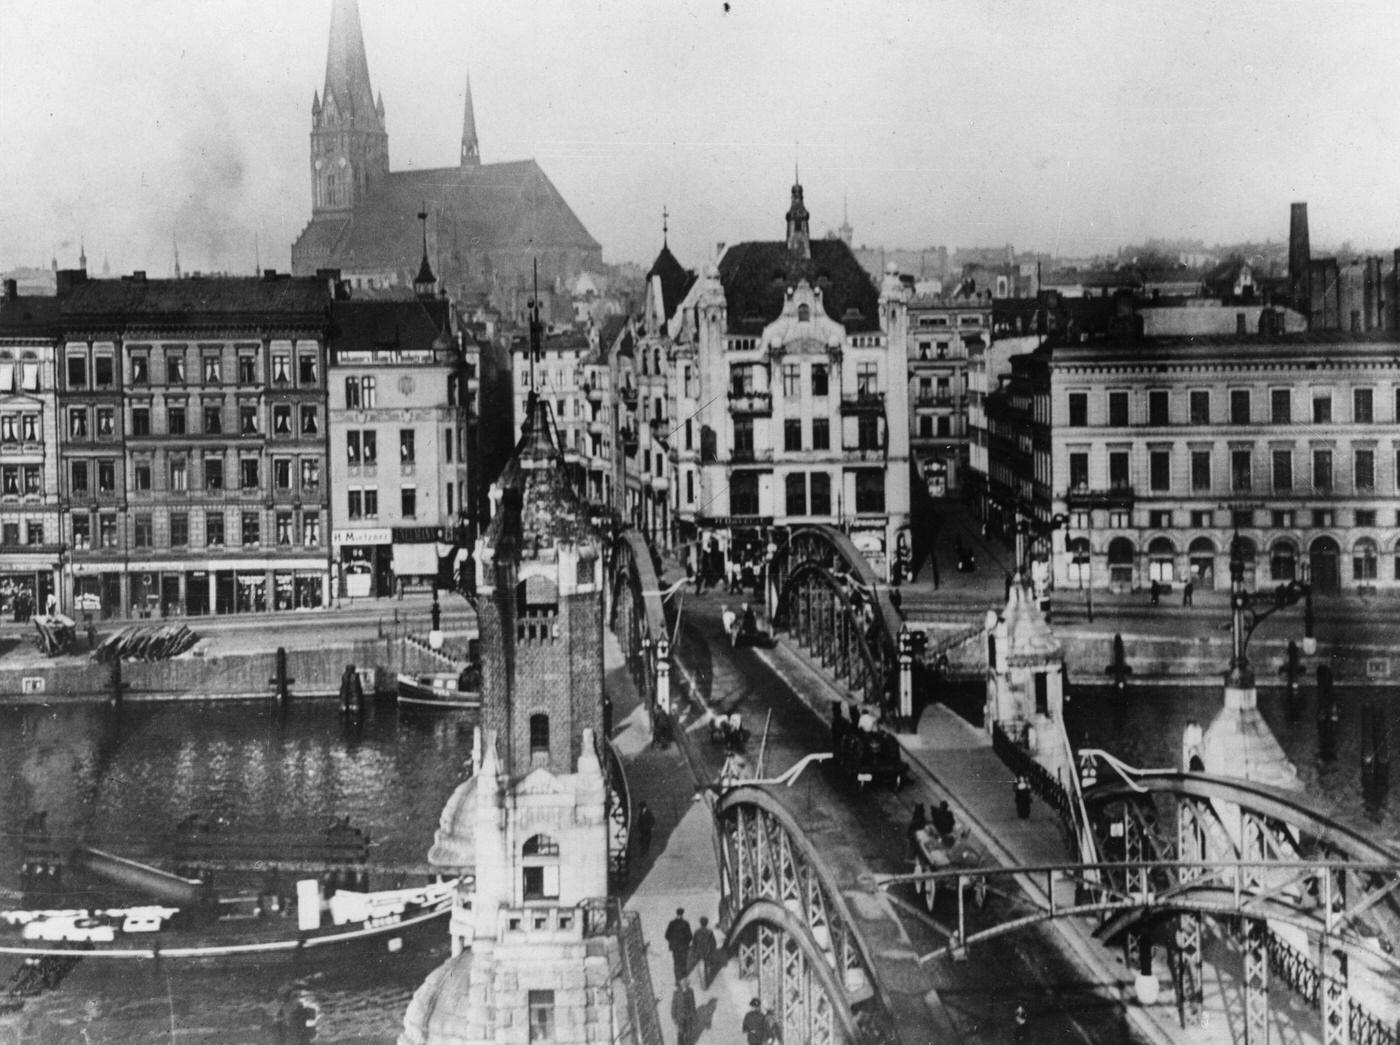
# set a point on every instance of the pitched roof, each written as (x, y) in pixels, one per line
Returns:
(612, 327)
(28, 315)
(510, 206)
(177, 299)
(756, 276)
(364, 326)
(675, 279)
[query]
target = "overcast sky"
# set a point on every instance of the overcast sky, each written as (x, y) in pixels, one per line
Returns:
(1070, 127)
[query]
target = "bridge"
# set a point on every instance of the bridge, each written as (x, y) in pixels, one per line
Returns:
(1310, 901)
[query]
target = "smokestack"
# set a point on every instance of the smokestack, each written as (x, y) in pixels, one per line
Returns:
(1299, 255)
(11, 289)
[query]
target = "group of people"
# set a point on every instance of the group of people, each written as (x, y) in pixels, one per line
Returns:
(743, 623)
(940, 822)
(1188, 590)
(738, 571)
(21, 598)
(691, 951)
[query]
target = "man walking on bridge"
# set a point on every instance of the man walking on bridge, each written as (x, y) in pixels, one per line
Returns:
(678, 937)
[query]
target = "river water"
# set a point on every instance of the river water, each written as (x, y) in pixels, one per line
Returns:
(125, 782)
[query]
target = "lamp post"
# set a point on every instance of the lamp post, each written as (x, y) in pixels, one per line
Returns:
(1240, 676)
(1309, 640)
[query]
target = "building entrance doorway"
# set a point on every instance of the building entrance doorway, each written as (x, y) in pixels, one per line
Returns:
(1323, 558)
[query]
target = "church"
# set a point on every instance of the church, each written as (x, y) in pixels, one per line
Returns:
(487, 224)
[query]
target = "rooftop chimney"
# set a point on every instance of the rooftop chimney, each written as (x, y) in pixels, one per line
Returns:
(1299, 255)
(11, 289)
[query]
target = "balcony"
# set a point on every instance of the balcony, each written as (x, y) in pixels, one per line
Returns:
(628, 395)
(1120, 495)
(594, 392)
(595, 426)
(628, 438)
(749, 455)
(660, 483)
(866, 453)
(862, 403)
(751, 404)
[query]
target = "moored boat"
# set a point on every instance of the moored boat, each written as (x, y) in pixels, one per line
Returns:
(439, 689)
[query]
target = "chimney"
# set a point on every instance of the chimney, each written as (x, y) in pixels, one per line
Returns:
(1299, 256)
(67, 279)
(11, 289)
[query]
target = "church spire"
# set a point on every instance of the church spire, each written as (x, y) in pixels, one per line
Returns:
(471, 148)
(347, 68)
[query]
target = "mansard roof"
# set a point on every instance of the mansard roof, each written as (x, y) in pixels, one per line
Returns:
(380, 325)
(177, 300)
(756, 276)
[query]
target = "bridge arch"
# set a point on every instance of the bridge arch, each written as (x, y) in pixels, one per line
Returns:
(637, 613)
(824, 593)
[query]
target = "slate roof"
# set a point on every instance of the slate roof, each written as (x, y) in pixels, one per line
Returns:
(756, 276)
(364, 326)
(612, 327)
(176, 299)
(676, 280)
(28, 315)
(497, 206)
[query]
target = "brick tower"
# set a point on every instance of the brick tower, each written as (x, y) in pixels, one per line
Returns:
(349, 142)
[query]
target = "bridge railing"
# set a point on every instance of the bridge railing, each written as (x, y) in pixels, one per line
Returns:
(1300, 972)
(605, 916)
(1012, 751)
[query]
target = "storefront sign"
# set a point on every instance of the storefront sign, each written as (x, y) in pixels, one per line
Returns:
(378, 535)
(417, 534)
(734, 520)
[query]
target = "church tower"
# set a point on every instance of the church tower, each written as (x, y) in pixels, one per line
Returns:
(349, 143)
(799, 237)
(471, 148)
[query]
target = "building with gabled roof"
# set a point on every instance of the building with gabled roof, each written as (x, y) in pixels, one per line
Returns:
(487, 223)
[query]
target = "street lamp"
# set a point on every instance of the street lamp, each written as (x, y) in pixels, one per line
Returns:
(1241, 675)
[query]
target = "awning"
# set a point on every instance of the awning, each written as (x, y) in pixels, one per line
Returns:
(415, 560)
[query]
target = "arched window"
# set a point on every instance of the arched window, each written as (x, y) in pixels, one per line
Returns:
(1283, 561)
(539, 733)
(1364, 560)
(1201, 557)
(1161, 561)
(539, 871)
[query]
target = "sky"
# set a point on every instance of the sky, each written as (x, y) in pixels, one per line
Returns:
(1072, 127)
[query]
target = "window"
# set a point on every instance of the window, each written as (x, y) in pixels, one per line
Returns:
(213, 419)
(821, 433)
(870, 491)
(371, 499)
(1118, 409)
(821, 493)
(32, 479)
(355, 504)
(1241, 518)
(141, 475)
(29, 377)
(310, 474)
(743, 493)
(140, 370)
(310, 529)
(1365, 517)
(539, 736)
(179, 480)
(79, 477)
(103, 372)
(1200, 407)
(252, 529)
(1160, 469)
(1322, 469)
(106, 422)
(1119, 477)
(77, 422)
(247, 368)
(214, 529)
(1323, 516)
(743, 438)
(107, 530)
(9, 481)
(212, 370)
(213, 472)
(1200, 470)
(1364, 469)
(1362, 406)
(248, 478)
(1281, 519)
(1281, 406)
(795, 488)
(867, 432)
(819, 379)
(284, 529)
(352, 393)
(33, 533)
(1239, 406)
(1078, 409)
(541, 1016)
(1364, 560)
(1283, 470)
(142, 530)
(29, 427)
(179, 529)
(451, 506)
(77, 372)
(1158, 407)
(369, 447)
(175, 418)
(281, 368)
(367, 395)
(141, 420)
(247, 419)
(1322, 408)
(352, 447)
(82, 530)
(867, 379)
(106, 476)
(306, 369)
(792, 378)
(406, 447)
(309, 423)
(408, 502)
(1079, 471)
(175, 368)
(1241, 469)
(741, 379)
(792, 434)
(282, 473)
(8, 432)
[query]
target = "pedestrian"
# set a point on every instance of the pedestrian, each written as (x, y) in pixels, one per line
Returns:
(1022, 793)
(1021, 1029)
(897, 601)
(916, 824)
(704, 952)
(1186, 591)
(683, 1012)
(1155, 593)
(755, 1025)
(646, 823)
(943, 821)
(51, 604)
(748, 623)
(678, 937)
(729, 620)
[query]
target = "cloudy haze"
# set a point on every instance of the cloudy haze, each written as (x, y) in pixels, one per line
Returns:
(1071, 127)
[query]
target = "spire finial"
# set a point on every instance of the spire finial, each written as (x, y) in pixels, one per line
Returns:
(257, 255)
(665, 228)
(175, 255)
(82, 254)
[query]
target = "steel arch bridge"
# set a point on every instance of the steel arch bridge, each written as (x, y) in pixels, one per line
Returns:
(824, 594)
(834, 970)
(637, 613)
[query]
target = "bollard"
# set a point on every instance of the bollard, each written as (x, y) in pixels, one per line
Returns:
(352, 693)
(1120, 669)
(281, 682)
(115, 686)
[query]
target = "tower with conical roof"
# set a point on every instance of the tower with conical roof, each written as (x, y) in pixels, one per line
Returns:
(799, 235)
(349, 143)
(471, 148)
